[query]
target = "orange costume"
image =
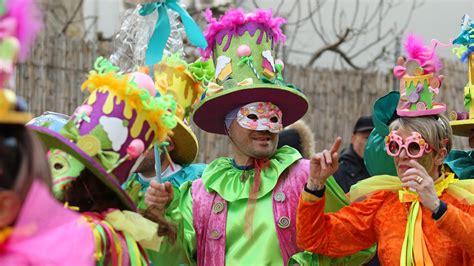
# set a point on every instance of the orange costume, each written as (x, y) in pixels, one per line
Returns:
(381, 218)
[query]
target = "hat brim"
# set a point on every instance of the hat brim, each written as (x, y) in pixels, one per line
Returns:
(438, 108)
(210, 113)
(54, 140)
(20, 118)
(462, 127)
(185, 144)
(364, 129)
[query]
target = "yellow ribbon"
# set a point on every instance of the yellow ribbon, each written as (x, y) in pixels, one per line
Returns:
(137, 227)
(414, 250)
(214, 88)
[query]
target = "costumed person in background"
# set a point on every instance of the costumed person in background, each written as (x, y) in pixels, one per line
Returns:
(422, 216)
(462, 123)
(242, 210)
(32, 222)
(173, 76)
(94, 152)
(143, 39)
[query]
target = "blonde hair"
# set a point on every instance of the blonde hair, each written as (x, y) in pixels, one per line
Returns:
(434, 129)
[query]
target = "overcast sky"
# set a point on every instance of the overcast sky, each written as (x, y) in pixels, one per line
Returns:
(434, 19)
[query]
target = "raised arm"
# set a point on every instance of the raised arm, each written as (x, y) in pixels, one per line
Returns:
(339, 234)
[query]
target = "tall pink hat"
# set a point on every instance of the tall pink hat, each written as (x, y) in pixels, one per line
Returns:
(418, 79)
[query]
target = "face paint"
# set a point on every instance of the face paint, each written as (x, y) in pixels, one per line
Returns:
(414, 145)
(260, 116)
(426, 161)
(65, 169)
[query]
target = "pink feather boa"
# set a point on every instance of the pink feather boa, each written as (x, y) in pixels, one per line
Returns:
(424, 55)
(236, 17)
(28, 22)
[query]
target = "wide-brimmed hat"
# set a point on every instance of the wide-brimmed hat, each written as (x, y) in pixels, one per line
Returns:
(419, 82)
(243, 49)
(13, 109)
(113, 127)
(184, 82)
(462, 122)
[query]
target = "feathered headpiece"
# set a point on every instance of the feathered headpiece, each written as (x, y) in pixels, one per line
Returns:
(424, 55)
(21, 19)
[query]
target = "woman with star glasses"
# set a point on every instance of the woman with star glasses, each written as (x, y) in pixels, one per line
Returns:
(421, 216)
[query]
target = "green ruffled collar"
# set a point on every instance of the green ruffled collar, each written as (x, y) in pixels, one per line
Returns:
(224, 178)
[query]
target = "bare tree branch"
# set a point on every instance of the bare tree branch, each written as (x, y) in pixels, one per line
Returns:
(78, 8)
(331, 47)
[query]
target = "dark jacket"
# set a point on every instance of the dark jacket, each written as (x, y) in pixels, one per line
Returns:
(351, 169)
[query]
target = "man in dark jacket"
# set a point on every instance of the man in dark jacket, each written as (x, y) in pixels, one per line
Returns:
(351, 163)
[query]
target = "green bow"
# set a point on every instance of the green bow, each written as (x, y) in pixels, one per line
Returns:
(245, 60)
(107, 159)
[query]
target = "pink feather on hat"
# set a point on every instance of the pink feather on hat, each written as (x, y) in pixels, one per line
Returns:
(424, 55)
(28, 19)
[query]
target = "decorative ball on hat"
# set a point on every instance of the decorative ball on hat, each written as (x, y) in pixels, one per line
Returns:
(462, 122)
(117, 122)
(243, 49)
(418, 79)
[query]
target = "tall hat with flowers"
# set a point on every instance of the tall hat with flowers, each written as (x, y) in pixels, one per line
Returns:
(243, 49)
(419, 82)
(19, 22)
(145, 39)
(462, 122)
(112, 128)
(184, 82)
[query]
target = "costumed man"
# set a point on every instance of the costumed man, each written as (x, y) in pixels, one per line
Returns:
(32, 222)
(462, 123)
(242, 210)
(93, 153)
